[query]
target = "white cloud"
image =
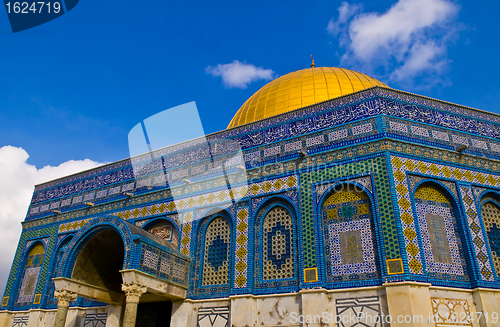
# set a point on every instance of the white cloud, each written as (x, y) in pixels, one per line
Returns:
(239, 74)
(346, 11)
(408, 40)
(17, 181)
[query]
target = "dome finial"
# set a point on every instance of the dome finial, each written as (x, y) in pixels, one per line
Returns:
(312, 62)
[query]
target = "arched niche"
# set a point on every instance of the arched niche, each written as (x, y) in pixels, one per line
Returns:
(275, 251)
(100, 260)
(31, 272)
(215, 257)
(348, 234)
(164, 229)
(440, 232)
(490, 213)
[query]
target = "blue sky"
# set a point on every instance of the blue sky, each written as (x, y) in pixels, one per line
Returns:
(72, 89)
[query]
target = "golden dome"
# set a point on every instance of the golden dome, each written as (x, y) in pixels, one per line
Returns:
(300, 89)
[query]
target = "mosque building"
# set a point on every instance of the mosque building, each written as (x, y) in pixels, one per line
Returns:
(329, 195)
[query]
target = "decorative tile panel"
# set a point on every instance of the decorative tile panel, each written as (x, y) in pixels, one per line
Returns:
(31, 273)
(442, 246)
(399, 127)
(377, 166)
(316, 140)
(269, 186)
(241, 249)
(490, 213)
(278, 250)
(478, 239)
(272, 151)
(187, 227)
(348, 236)
(293, 146)
(216, 257)
(164, 264)
(362, 129)
(401, 165)
(72, 226)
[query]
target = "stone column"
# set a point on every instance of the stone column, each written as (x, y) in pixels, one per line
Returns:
(133, 293)
(64, 298)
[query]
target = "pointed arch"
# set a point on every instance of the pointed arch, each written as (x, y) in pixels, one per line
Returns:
(439, 228)
(348, 234)
(490, 213)
(276, 263)
(31, 272)
(215, 257)
(164, 228)
(55, 270)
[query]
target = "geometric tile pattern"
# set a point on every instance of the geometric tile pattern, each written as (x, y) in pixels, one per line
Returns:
(32, 269)
(415, 179)
(376, 165)
(241, 249)
(478, 190)
(269, 186)
(478, 239)
(367, 308)
(310, 275)
(491, 218)
(17, 270)
(274, 241)
(72, 226)
(348, 235)
(165, 265)
(278, 245)
(365, 181)
(187, 227)
(213, 317)
(216, 257)
(395, 266)
(437, 229)
(440, 136)
(400, 166)
(451, 312)
(351, 248)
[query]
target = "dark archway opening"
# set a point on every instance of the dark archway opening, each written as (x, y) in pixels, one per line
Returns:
(100, 261)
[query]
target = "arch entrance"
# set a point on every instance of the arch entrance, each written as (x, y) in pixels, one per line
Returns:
(115, 262)
(100, 261)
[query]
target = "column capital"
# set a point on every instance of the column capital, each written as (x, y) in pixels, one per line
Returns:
(65, 297)
(133, 292)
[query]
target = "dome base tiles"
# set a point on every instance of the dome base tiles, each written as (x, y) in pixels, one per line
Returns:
(378, 202)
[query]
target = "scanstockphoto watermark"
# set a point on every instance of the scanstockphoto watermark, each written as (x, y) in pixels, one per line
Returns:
(351, 318)
(364, 318)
